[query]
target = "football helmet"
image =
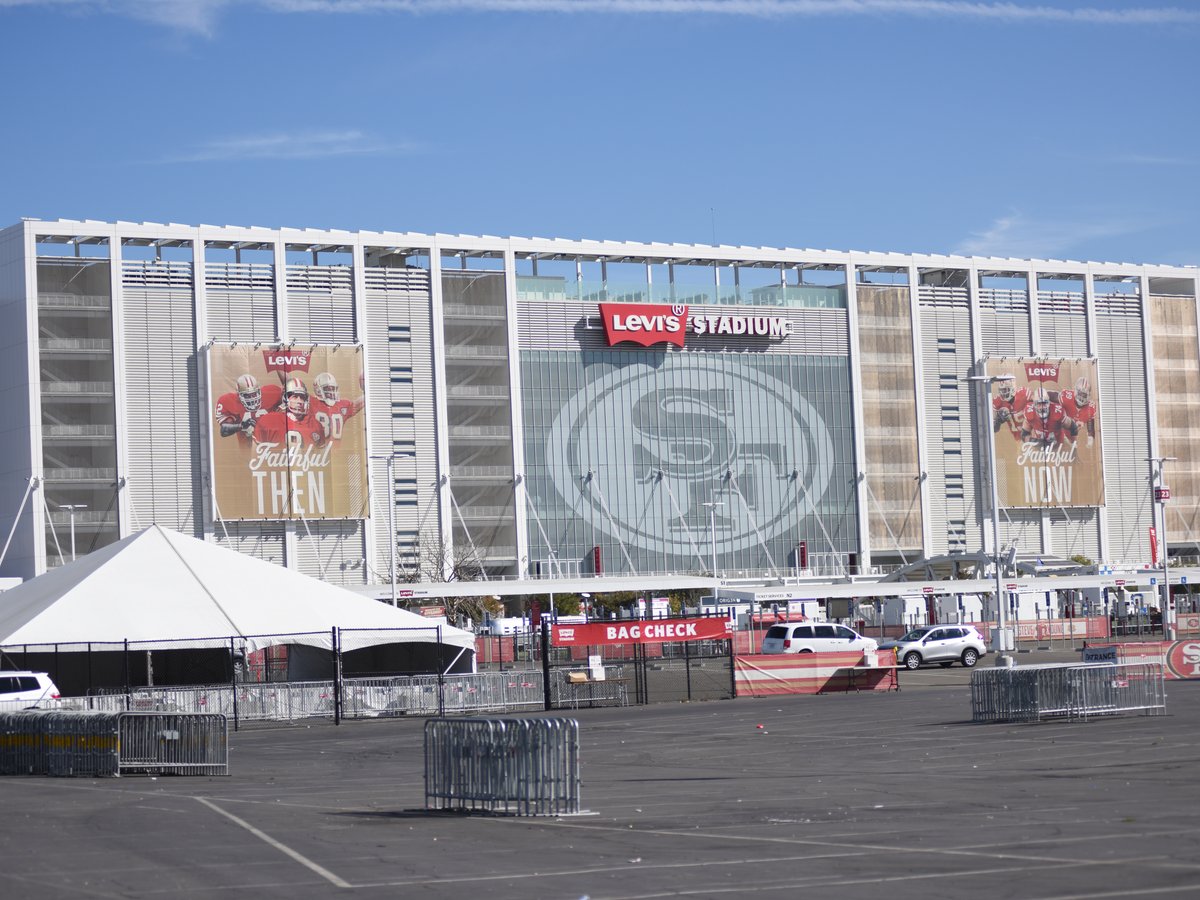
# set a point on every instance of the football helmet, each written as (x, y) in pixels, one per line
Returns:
(1005, 388)
(295, 398)
(1041, 403)
(1083, 392)
(325, 386)
(249, 392)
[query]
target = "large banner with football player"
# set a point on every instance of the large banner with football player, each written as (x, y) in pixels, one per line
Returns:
(288, 433)
(1045, 420)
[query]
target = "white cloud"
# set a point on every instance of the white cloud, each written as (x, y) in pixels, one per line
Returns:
(200, 16)
(283, 146)
(1015, 235)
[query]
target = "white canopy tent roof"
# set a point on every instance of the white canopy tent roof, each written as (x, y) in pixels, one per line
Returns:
(162, 589)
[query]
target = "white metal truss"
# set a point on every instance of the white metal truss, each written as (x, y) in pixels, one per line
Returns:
(661, 479)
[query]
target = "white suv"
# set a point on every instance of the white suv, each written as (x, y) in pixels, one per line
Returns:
(815, 638)
(27, 690)
(943, 644)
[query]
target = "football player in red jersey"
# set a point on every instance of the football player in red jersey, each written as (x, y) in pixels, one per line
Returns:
(239, 410)
(1045, 422)
(1009, 406)
(1078, 405)
(293, 424)
(332, 411)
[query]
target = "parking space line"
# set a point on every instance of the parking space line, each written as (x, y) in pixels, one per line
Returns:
(282, 848)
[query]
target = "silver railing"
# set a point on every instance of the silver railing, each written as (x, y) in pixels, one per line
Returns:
(1033, 693)
(421, 695)
(525, 767)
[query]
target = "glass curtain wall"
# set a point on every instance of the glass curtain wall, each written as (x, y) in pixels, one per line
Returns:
(79, 451)
(647, 461)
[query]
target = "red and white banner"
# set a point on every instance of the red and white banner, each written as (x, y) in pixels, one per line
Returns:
(1041, 371)
(1153, 546)
(641, 632)
(643, 323)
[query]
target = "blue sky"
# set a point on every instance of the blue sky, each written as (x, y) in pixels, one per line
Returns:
(1052, 129)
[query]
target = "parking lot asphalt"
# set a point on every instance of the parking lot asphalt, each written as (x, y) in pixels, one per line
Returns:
(866, 795)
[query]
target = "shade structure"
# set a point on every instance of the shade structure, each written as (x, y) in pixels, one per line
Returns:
(160, 589)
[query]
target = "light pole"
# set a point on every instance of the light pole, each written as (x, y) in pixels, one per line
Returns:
(1161, 495)
(70, 508)
(712, 531)
(391, 494)
(999, 642)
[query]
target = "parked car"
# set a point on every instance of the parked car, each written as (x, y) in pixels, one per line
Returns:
(942, 644)
(815, 638)
(27, 690)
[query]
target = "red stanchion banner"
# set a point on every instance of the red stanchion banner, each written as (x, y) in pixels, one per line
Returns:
(641, 632)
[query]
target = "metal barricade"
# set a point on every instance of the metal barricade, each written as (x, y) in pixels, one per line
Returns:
(98, 744)
(1032, 693)
(525, 767)
(174, 744)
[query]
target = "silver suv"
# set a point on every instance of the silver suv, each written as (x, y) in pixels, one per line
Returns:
(942, 644)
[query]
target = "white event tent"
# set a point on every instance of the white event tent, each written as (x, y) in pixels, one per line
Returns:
(161, 589)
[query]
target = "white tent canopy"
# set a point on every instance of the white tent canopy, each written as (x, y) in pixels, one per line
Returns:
(162, 589)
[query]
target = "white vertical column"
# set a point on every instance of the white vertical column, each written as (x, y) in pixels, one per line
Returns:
(980, 428)
(120, 400)
(37, 517)
(1151, 399)
(437, 343)
(361, 325)
(283, 328)
(203, 518)
(1035, 344)
(861, 496)
(516, 418)
(291, 538)
(1089, 315)
(922, 474)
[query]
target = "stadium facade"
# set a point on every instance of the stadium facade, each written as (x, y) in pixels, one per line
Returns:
(548, 407)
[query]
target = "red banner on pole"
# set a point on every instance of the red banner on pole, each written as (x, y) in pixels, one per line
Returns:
(652, 631)
(1153, 546)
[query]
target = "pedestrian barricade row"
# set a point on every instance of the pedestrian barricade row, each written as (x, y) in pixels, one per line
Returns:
(422, 695)
(525, 767)
(100, 744)
(1033, 693)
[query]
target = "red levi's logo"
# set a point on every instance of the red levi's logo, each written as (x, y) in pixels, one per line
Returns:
(283, 361)
(1041, 371)
(644, 323)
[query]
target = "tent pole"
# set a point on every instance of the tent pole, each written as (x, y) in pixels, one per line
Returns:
(33, 483)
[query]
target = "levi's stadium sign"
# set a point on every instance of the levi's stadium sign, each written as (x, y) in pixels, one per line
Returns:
(657, 323)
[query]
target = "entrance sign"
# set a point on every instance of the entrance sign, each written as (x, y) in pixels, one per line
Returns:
(658, 323)
(641, 632)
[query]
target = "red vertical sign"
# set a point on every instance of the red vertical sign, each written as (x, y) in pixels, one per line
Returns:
(596, 560)
(1153, 546)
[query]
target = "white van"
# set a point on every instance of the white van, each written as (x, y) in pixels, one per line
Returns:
(813, 637)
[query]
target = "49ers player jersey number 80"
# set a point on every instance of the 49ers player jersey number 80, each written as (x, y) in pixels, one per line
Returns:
(287, 435)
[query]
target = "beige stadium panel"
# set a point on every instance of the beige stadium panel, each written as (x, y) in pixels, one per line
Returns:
(889, 411)
(1177, 407)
